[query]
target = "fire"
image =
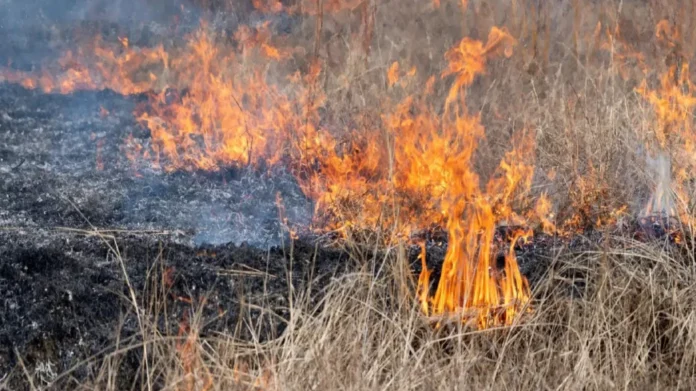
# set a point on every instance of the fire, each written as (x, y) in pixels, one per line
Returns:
(626, 60)
(196, 375)
(418, 172)
(229, 115)
(399, 169)
(674, 103)
(410, 169)
(469, 285)
(96, 65)
(310, 7)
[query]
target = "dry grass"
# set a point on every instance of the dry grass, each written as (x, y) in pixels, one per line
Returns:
(633, 324)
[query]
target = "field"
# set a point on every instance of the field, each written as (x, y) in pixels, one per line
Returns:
(347, 194)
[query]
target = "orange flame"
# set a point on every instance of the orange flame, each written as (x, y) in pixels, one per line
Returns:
(674, 104)
(213, 106)
(469, 284)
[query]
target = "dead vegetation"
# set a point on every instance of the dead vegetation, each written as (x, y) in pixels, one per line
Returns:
(629, 324)
(621, 315)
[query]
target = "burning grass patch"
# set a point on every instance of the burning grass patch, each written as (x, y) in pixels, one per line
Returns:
(532, 162)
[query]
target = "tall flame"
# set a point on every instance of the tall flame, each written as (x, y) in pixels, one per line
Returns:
(441, 160)
(674, 103)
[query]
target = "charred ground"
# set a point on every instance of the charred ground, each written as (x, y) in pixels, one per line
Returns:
(66, 299)
(64, 288)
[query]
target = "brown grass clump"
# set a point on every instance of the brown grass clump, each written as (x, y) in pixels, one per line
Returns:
(620, 317)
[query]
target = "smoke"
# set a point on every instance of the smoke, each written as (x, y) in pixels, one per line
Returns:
(662, 199)
(24, 15)
(36, 31)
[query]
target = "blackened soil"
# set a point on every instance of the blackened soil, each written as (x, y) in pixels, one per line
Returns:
(63, 163)
(192, 235)
(65, 297)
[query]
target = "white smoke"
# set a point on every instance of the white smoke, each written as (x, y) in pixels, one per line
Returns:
(662, 199)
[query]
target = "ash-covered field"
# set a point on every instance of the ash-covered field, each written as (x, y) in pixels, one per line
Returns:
(195, 235)
(82, 226)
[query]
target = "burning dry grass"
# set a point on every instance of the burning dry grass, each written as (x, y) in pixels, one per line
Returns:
(459, 124)
(629, 324)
